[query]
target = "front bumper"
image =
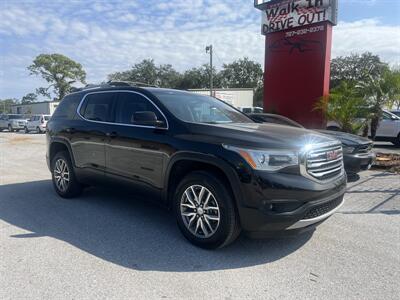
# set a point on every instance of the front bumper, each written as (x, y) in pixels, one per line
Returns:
(281, 203)
(354, 163)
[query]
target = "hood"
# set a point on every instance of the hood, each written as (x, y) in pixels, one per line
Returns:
(257, 135)
(346, 138)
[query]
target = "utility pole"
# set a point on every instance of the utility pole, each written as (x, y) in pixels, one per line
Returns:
(209, 49)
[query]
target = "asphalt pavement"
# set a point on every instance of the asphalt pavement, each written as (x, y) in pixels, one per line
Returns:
(109, 244)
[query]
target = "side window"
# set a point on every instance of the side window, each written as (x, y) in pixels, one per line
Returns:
(67, 107)
(98, 107)
(131, 103)
(386, 116)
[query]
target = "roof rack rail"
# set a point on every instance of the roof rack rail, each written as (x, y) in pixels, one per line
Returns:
(130, 83)
(111, 84)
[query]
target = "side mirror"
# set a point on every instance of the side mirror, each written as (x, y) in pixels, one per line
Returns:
(146, 118)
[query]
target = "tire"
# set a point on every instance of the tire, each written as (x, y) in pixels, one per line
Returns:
(219, 233)
(38, 130)
(26, 129)
(396, 142)
(60, 164)
(10, 129)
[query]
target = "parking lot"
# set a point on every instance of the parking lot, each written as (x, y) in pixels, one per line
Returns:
(113, 245)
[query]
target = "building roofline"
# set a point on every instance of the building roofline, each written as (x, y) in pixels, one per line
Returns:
(33, 103)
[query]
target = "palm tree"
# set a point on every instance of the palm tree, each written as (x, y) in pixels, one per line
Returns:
(378, 91)
(344, 105)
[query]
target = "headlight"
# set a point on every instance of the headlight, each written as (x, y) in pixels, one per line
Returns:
(348, 149)
(267, 160)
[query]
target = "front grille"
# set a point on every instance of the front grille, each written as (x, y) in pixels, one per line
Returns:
(325, 162)
(323, 208)
(364, 149)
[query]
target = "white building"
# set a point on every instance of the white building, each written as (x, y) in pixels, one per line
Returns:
(235, 97)
(35, 108)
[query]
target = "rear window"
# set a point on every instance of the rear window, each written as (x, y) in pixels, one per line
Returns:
(67, 107)
(46, 118)
(98, 107)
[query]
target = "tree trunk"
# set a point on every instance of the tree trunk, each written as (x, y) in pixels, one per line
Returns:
(365, 130)
(374, 126)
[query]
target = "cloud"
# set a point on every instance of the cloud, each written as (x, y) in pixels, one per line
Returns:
(367, 35)
(107, 36)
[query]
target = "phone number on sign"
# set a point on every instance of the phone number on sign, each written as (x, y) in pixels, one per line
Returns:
(304, 31)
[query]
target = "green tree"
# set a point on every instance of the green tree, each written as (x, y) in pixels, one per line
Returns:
(344, 105)
(59, 71)
(199, 78)
(29, 98)
(355, 68)
(5, 105)
(242, 73)
(378, 92)
(147, 72)
(394, 102)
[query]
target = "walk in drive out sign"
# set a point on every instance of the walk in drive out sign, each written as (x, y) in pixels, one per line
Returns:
(278, 15)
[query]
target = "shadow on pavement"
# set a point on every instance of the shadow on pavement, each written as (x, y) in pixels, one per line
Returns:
(121, 229)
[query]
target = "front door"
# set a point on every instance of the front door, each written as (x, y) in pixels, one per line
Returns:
(134, 151)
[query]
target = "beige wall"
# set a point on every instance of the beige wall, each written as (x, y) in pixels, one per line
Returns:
(46, 108)
(235, 97)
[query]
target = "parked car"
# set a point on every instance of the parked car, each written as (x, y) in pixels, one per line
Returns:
(396, 112)
(37, 123)
(388, 130)
(357, 151)
(250, 109)
(218, 170)
(12, 122)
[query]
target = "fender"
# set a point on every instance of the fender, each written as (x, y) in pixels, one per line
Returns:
(65, 142)
(207, 159)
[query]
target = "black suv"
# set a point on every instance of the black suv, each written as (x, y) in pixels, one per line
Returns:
(217, 169)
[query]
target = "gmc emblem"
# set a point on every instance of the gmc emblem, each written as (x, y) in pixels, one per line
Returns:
(332, 155)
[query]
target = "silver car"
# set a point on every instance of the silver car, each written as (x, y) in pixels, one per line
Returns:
(13, 122)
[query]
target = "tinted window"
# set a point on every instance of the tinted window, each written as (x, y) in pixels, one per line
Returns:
(247, 110)
(129, 104)
(15, 117)
(98, 107)
(67, 107)
(195, 108)
(46, 118)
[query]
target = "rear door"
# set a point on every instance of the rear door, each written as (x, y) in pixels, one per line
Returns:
(88, 135)
(137, 153)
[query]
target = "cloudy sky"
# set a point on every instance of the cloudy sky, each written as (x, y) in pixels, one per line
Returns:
(110, 35)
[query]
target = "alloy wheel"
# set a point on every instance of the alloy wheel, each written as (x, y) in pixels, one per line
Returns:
(61, 175)
(200, 211)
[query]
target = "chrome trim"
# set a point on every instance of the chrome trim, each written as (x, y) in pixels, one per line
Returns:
(308, 222)
(122, 124)
(319, 150)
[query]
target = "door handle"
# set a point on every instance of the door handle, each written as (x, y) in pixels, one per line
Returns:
(112, 134)
(70, 130)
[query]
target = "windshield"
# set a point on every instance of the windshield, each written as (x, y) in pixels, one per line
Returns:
(195, 108)
(16, 117)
